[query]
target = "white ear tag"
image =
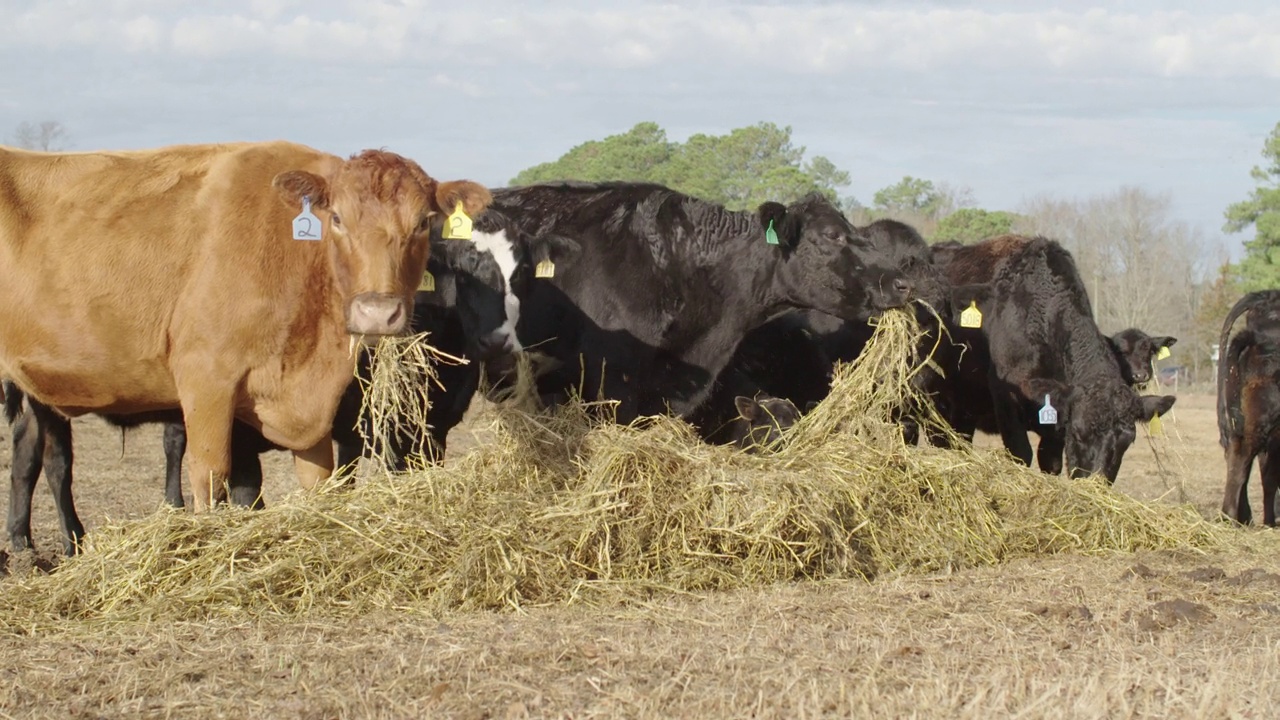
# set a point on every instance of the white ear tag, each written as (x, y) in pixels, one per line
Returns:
(1048, 415)
(306, 226)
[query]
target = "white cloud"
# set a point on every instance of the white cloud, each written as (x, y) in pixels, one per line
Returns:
(824, 38)
(1011, 97)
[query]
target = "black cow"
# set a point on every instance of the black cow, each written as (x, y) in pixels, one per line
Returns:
(1038, 342)
(793, 356)
(1249, 403)
(42, 441)
(1136, 352)
(471, 313)
(667, 285)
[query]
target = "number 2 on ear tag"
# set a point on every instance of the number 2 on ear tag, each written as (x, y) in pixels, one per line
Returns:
(1164, 353)
(1048, 415)
(972, 316)
(545, 269)
(428, 283)
(458, 225)
(306, 226)
(771, 235)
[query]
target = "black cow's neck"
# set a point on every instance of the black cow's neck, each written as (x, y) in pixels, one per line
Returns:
(740, 265)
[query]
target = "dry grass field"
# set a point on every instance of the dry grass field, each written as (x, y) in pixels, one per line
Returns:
(1157, 634)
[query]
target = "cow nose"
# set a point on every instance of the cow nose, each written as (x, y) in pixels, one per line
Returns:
(376, 314)
(902, 286)
(495, 344)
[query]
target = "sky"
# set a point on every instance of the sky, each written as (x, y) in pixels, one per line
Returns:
(1009, 99)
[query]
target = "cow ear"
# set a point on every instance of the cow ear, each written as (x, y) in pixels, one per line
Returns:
(557, 248)
(747, 408)
(787, 232)
(1166, 341)
(473, 196)
(1153, 405)
(297, 184)
(809, 406)
(962, 296)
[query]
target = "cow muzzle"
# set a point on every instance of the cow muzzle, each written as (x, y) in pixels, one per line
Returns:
(895, 293)
(376, 314)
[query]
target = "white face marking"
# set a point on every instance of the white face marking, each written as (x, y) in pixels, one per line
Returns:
(497, 245)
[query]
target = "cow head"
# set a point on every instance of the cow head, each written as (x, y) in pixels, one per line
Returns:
(1135, 351)
(517, 255)
(827, 264)
(1098, 419)
(469, 281)
(909, 252)
(761, 420)
(377, 209)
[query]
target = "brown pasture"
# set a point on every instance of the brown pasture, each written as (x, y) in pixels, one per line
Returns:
(1169, 634)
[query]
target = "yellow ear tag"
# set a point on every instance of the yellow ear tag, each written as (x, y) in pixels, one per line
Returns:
(1156, 426)
(458, 225)
(972, 316)
(1164, 353)
(428, 283)
(545, 269)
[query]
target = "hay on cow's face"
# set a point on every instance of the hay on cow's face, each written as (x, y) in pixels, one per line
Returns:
(562, 508)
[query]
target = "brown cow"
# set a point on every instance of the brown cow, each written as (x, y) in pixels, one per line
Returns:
(134, 282)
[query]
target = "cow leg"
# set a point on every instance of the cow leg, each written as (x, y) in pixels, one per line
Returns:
(1012, 431)
(1050, 450)
(208, 420)
(1269, 468)
(314, 464)
(58, 459)
(1235, 498)
(175, 447)
(246, 467)
(346, 432)
(28, 453)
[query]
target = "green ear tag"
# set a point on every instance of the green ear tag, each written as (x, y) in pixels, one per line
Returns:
(771, 235)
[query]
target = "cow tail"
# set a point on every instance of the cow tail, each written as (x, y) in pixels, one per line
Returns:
(1225, 364)
(13, 397)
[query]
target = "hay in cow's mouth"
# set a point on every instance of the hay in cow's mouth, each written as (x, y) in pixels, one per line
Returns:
(563, 508)
(397, 389)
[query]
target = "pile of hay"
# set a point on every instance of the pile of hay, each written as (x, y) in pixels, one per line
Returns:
(561, 508)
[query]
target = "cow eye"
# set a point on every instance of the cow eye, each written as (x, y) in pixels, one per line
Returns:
(337, 221)
(424, 225)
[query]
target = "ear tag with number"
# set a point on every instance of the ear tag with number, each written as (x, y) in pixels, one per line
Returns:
(1048, 415)
(1156, 426)
(306, 226)
(428, 283)
(771, 235)
(545, 269)
(972, 316)
(458, 225)
(1164, 353)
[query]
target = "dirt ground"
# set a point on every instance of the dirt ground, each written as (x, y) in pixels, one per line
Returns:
(1160, 634)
